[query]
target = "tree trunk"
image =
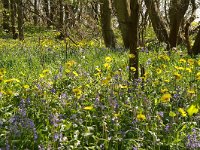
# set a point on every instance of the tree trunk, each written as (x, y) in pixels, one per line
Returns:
(35, 17)
(108, 35)
(5, 23)
(52, 10)
(157, 21)
(177, 11)
(13, 16)
(61, 14)
(133, 31)
(20, 19)
(196, 47)
(121, 8)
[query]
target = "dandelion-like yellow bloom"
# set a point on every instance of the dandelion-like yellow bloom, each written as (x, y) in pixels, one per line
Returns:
(75, 73)
(191, 61)
(88, 108)
(141, 117)
(77, 92)
(133, 69)
(188, 70)
(166, 97)
(108, 59)
(12, 80)
(70, 63)
(158, 71)
(164, 90)
(172, 114)
(191, 91)
(179, 68)
(107, 65)
(192, 110)
(198, 76)
(177, 76)
(26, 86)
(182, 111)
(182, 60)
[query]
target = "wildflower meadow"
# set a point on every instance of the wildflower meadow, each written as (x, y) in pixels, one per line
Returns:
(82, 98)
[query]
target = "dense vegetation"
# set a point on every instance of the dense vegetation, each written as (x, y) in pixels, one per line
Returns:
(99, 74)
(84, 100)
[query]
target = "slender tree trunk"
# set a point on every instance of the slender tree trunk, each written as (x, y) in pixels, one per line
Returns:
(121, 8)
(196, 47)
(47, 12)
(133, 31)
(5, 24)
(61, 14)
(157, 20)
(52, 10)
(35, 17)
(177, 11)
(108, 35)
(13, 18)
(20, 19)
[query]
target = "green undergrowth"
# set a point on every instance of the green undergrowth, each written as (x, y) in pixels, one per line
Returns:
(79, 97)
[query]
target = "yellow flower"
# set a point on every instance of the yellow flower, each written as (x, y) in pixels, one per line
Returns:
(141, 117)
(166, 97)
(131, 55)
(191, 61)
(46, 71)
(41, 75)
(164, 90)
(179, 68)
(198, 76)
(198, 62)
(97, 69)
(182, 60)
(107, 65)
(70, 63)
(167, 81)
(77, 92)
(105, 81)
(166, 57)
(158, 71)
(12, 80)
(26, 86)
(123, 86)
(75, 73)
(88, 108)
(172, 114)
(133, 69)
(177, 75)
(182, 111)
(189, 70)
(108, 59)
(2, 71)
(192, 110)
(191, 91)
(67, 70)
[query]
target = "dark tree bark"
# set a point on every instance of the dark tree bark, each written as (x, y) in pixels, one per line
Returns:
(13, 18)
(5, 24)
(177, 11)
(122, 11)
(133, 31)
(196, 47)
(52, 10)
(35, 17)
(108, 35)
(20, 19)
(157, 21)
(61, 14)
